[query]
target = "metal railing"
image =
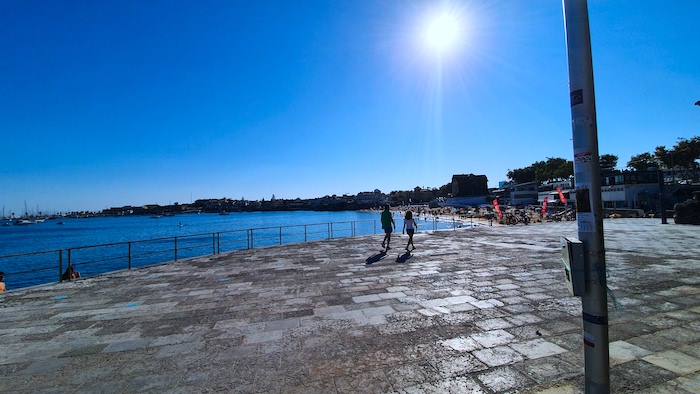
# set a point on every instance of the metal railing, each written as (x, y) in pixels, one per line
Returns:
(35, 268)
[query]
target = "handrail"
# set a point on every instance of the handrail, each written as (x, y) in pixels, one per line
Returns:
(115, 256)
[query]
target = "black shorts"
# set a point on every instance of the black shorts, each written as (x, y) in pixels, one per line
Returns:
(410, 231)
(387, 230)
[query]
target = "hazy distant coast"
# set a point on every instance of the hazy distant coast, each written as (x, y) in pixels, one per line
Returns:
(364, 200)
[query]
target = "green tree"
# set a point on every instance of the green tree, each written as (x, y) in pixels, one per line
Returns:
(445, 190)
(541, 172)
(608, 162)
(686, 153)
(642, 162)
(664, 157)
(522, 175)
(555, 168)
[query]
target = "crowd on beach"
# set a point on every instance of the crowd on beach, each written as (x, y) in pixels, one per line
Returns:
(464, 217)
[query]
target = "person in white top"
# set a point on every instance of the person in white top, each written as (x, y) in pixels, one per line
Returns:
(410, 226)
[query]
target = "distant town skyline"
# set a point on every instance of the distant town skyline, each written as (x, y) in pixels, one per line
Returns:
(112, 103)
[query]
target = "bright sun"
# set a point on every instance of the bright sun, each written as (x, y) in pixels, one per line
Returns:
(442, 32)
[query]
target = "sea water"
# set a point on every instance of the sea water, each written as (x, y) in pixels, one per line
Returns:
(103, 230)
(197, 234)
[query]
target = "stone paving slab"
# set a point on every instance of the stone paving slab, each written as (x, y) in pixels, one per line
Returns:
(475, 310)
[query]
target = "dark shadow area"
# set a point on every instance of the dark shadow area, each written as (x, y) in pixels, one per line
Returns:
(377, 257)
(404, 257)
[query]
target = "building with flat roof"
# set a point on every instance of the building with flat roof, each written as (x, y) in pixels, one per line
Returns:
(469, 185)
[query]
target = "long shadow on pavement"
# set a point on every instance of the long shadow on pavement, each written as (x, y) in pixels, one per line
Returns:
(404, 257)
(375, 258)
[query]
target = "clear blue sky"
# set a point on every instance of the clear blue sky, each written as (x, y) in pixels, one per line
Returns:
(111, 103)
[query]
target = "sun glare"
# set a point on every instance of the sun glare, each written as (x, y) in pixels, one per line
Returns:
(442, 32)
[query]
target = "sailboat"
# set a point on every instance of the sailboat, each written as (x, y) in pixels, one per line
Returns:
(25, 221)
(5, 222)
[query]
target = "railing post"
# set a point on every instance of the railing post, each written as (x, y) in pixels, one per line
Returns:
(280, 235)
(129, 254)
(175, 248)
(304, 233)
(69, 264)
(252, 241)
(213, 243)
(60, 264)
(353, 228)
(330, 226)
(374, 222)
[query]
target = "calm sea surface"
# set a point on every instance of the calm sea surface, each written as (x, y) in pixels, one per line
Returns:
(182, 236)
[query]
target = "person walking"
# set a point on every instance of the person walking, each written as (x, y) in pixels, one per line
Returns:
(410, 226)
(387, 224)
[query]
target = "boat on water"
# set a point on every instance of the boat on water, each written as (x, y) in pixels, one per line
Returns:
(223, 213)
(156, 216)
(23, 222)
(60, 223)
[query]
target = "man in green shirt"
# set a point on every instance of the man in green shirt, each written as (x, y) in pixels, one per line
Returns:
(387, 224)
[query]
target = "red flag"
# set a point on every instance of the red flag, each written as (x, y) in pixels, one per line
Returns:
(561, 196)
(544, 206)
(498, 210)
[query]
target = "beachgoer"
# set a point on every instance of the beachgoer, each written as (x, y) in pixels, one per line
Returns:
(410, 226)
(2, 281)
(387, 224)
(70, 273)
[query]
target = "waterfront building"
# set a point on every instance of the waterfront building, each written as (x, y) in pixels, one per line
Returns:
(524, 193)
(468, 190)
(469, 185)
(550, 191)
(371, 199)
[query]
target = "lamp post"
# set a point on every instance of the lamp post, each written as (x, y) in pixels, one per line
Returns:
(589, 208)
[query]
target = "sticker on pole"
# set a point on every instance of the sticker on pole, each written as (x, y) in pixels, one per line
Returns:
(584, 213)
(576, 97)
(583, 201)
(583, 157)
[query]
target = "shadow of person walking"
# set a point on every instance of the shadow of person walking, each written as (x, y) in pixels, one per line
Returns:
(404, 257)
(377, 257)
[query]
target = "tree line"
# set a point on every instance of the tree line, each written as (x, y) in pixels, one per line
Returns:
(683, 157)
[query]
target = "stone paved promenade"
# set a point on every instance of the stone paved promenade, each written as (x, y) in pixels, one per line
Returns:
(481, 310)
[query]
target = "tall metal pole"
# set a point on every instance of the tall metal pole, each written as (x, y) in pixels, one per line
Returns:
(588, 198)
